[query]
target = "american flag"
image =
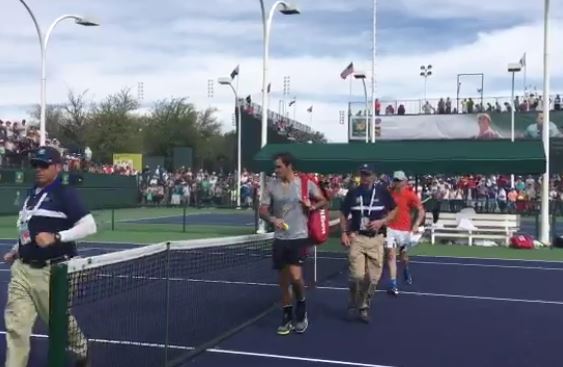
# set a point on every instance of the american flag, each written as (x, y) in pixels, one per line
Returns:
(348, 71)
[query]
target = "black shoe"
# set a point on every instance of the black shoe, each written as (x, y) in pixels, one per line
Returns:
(286, 325)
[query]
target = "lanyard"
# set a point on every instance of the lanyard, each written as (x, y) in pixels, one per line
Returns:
(370, 203)
(26, 215)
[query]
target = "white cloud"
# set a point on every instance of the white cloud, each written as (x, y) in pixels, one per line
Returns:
(177, 56)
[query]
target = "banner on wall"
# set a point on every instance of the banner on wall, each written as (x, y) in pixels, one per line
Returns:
(128, 159)
(484, 126)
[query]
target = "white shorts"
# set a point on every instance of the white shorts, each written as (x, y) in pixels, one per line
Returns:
(397, 239)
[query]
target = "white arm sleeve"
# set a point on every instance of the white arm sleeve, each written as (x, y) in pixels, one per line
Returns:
(83, 228)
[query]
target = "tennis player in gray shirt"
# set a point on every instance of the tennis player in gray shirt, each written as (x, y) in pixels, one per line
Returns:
(283, 206)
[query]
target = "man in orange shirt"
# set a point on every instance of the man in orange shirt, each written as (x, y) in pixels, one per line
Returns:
(401, 228)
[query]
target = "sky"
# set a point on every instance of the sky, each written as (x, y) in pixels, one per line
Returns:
(174, 47)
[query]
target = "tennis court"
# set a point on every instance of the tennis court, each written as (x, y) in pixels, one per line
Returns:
(462, 312)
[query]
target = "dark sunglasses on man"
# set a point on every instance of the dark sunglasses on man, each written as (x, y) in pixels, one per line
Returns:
(40, 164)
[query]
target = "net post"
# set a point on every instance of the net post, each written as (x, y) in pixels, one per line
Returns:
(553, 224)
(167, 304)
(183, 220)
(112, 219)
(58, 315)
(315, 265)
(256, 207)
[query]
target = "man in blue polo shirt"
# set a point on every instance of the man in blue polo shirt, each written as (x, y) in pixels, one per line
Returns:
(53, 217)
(371, 207)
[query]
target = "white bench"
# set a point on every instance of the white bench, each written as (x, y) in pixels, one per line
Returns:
(489, 227)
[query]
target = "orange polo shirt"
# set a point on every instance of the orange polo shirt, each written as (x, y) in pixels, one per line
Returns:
(406, 200)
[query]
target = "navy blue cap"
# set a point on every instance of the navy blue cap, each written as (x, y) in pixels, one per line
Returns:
(47, 155)
(366, 167)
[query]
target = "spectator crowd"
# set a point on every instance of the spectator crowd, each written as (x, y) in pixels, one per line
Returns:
(528, 103)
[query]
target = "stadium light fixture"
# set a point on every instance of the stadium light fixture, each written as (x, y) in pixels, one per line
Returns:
(86, 22)
(267, 18)
(43, 42)
(228, 81)
(360, 75)
(289, 9)
(224, 81)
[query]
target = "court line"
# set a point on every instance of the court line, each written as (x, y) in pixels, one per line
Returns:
(488, 265)
(465, 264)
(426, 294)
(221, 351)
(489, 258)
(303, 359)
(462, 296)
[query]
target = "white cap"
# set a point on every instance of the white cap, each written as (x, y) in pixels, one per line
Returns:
(399, 176)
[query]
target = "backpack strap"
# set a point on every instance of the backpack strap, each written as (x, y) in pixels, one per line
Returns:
(304, 187)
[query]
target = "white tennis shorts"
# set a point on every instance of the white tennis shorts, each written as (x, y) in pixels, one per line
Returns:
(397, 239)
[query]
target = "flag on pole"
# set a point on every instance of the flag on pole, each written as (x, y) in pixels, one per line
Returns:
(235, 72)
(348, 71)
(292, 102)
(269, 89)
(523, 61)
(310, 109)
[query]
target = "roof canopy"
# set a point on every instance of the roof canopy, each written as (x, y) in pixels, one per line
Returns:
(414, 156)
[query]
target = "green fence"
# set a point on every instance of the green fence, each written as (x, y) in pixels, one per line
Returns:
(98, 191)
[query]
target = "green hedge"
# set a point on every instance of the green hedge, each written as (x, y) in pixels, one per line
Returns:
(98, 191)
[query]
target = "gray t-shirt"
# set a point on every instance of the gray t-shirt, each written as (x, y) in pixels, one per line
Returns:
(284, 198)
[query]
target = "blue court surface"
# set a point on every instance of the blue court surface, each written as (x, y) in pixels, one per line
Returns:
(459, 312)
(235, 220)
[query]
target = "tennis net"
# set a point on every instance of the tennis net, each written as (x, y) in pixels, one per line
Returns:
(160, 305)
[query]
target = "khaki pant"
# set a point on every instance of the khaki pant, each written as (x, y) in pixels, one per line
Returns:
(365, 260)
(28, 296)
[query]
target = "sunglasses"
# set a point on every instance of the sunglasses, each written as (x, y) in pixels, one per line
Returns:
(42, 165)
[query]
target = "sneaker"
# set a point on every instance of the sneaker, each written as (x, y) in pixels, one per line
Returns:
(393, 291)
(407, 276)
(393, 288)
(286, 325)
(301, 326)
(364, 315)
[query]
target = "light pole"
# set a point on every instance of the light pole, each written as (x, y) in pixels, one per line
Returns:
(512, 68)
(544, 233)
(373, 56)
(480, 90)
(286, 9)
(362, 76)
(43, 42)
(228, 81)
(425, 72)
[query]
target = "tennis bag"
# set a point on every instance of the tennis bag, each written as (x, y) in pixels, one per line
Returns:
(522, 241)
(319, 220)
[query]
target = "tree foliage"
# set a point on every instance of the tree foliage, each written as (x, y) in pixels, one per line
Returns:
(118, 125)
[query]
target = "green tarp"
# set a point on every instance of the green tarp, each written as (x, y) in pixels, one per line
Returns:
(414, 157)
